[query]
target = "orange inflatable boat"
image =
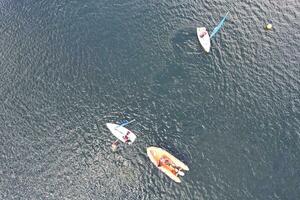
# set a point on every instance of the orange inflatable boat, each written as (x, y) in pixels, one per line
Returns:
(167, 163)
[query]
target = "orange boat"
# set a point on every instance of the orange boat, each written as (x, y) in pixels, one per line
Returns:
(167, 163)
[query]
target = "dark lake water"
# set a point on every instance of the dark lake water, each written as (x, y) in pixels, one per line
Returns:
(233, 115)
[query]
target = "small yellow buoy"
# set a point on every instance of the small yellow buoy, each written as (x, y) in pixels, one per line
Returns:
(269, 26)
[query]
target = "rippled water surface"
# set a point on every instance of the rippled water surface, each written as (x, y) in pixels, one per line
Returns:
(233, 115)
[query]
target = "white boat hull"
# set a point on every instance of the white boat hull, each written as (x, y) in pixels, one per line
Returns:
(203, 38)
(120, 132)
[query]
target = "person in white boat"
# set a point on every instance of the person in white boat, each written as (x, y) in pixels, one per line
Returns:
(115, 144)
(126, 138)
(203, 33)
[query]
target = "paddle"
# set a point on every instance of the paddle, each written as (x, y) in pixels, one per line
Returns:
(219, 26)
(126, 123)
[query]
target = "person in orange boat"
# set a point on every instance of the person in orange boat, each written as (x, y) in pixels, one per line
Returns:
(163, 161)
(167, 162)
